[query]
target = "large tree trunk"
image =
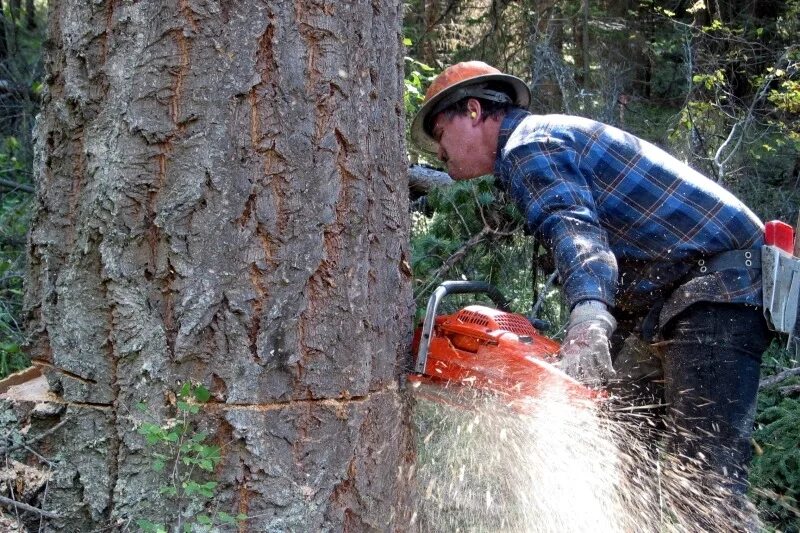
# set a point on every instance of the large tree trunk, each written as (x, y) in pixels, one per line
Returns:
(222, 199)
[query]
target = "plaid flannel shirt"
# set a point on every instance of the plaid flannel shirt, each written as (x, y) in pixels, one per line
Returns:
(624, 220)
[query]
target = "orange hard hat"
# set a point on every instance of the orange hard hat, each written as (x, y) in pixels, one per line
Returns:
(464, 80)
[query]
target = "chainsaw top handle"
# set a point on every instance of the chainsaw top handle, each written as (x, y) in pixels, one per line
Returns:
(452, 287)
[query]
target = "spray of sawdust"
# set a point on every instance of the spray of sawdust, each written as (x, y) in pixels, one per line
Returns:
(552, 464)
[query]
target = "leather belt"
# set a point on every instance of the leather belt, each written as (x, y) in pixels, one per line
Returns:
(750, 259)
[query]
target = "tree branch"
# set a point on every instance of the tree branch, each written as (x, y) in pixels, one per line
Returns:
(422, 179)
(777, 378)
(459, 254)
(15, 90)
(35, 439)
(791, 389)
(454, 257)
(11, 241)
(25, 507)
(14, 186)
(543, 294)
(742, 125)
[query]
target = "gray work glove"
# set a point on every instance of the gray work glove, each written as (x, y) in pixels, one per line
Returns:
(585, 353)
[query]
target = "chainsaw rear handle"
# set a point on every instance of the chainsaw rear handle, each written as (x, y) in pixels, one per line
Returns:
(452, 287)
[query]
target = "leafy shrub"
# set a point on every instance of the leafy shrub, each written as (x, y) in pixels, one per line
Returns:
(775, 470)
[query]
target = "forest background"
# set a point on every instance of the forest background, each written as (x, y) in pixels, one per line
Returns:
(715, 83)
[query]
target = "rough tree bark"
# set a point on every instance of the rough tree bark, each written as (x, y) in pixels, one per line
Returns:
(222, 198)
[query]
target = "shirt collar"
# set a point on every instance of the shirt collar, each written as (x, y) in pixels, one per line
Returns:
(510, 123)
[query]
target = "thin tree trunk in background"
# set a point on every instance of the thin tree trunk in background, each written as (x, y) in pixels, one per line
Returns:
(585, 55)
(222, 199)
(12, 29)
(30, 14)
(3, 41)
(634, 61)
(430, 17)
(547, 38)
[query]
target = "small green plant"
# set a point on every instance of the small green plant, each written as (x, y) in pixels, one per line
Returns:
(183, 454)
(418, 77)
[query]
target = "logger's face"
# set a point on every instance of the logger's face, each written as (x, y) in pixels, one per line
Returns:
(466, 144)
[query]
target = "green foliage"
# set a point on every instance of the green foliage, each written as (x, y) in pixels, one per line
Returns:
(20, 78)
(186, 460)
(775, 470)
(651, 121)
(711, 80)
(475, 233)
(743, 89)
(666, 49)
(418, 76)
(12, 357)
(13, 228)
(787, 97)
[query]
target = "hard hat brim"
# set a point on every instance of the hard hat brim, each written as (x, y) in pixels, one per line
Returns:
(423, 140)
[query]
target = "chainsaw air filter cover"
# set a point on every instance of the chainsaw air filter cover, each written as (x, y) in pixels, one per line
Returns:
(494, 320)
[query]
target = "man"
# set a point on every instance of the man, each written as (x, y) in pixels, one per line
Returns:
(660, 266)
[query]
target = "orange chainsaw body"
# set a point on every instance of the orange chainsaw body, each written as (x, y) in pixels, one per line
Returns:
(494, 351)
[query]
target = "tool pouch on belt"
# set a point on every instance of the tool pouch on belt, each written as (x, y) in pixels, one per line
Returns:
(781, 286)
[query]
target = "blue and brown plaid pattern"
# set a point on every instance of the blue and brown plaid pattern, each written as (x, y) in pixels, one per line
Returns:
(623, 219)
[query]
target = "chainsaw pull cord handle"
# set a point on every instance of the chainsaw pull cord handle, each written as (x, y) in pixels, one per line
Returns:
(452, 287)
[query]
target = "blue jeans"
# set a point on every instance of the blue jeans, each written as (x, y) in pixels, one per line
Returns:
(705, 374)
(712, 359)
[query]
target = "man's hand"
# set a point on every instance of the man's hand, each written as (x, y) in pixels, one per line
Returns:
(585, 351)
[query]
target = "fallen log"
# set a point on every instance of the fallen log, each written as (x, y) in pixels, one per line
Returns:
(777, 378)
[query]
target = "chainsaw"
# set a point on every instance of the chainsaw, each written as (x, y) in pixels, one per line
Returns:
(489, 350)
